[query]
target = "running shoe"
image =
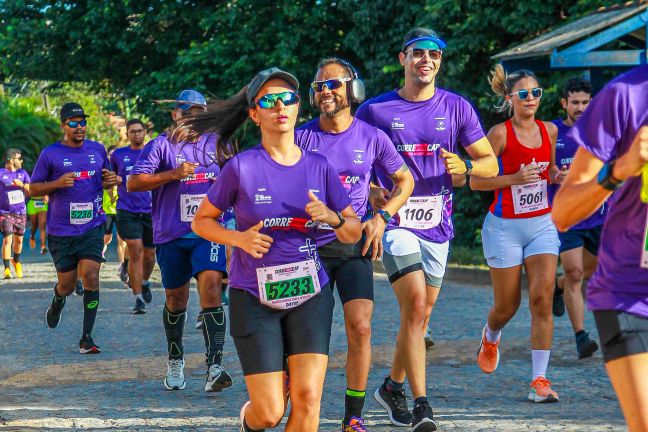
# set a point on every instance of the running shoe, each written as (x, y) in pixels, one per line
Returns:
(585, 346)
(175, 379)
(32, 243)
(488, 355)
(356, 424)
(44, 250)
(79, 288)
(428, 338)
(87, 346)
(18, 268)
(147, 295)
(217, 379)
(423, 418)
(7, 273)
(199, 320)
(53, 314)
(541, 391)
(140, 307)
(558, 307)
(123, 274)
(395, 403)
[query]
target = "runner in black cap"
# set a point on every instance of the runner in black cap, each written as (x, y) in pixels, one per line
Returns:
(73, 172)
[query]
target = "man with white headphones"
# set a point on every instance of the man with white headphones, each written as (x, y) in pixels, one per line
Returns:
(353, 148)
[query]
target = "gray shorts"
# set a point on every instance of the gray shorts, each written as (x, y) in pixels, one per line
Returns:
(405, 252)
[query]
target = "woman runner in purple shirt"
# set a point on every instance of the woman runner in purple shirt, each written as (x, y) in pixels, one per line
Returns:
(613, 135)
(280, 302)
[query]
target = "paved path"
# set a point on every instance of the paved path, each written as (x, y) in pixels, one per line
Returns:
(46, 384)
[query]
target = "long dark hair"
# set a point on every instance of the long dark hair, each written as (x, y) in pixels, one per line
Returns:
(223, 116)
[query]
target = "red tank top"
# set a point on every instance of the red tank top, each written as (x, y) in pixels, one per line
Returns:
(523, 201)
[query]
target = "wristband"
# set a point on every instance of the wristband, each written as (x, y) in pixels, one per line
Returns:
(341, 221)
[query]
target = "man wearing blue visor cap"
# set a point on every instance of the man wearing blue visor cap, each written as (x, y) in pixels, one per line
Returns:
(178, 176)
(426, 124)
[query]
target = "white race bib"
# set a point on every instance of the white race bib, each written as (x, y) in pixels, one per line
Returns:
(81, 213)
(16, 197)
(288, 285)
(421, 213)
(189, 206)
(530, 197)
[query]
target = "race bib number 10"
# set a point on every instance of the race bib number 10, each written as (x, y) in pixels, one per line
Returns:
(81, 213)
(189, 206)
(16, 197)
(530, 197)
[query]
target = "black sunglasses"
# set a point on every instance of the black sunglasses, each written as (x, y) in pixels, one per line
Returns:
(76, 123)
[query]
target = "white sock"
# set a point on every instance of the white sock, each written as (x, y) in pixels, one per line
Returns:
(492, 336)
(540, 361)
(139, 297)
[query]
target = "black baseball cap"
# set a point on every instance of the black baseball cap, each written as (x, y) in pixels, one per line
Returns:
(72, 109)
(265, 76)
(422, 34)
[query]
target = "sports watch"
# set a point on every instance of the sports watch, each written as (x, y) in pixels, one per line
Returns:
(340, 219)
(384, 214)
(469, 166)
(606, 179)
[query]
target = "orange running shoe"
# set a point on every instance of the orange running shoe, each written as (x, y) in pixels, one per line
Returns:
(488, 355)
(32, 243)
(541, 391)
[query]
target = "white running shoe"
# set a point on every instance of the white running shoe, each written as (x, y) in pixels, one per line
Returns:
(242, 416)
(175, 379)
(217, 379)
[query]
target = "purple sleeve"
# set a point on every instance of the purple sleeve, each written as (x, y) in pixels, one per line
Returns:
(336, 197)
(362, 113)
(470, 130)
(26, 178)
(387, 158)
(222, 194)
(40, 173)
(600, 128)
(148, 161)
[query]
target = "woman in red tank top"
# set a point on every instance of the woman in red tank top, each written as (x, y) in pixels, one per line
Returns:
(518, 230)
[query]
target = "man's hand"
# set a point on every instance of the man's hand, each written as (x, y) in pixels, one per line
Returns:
(453, 163)
(378, 197)
(18, 183)
(374, 230)
(633, 161)
(66, 180)
(184, 170)
(108, 178)
(561, 175)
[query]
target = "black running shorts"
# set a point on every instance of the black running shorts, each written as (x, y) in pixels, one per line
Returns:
(622, 334)
(67, 251)
(135, 226)
(353, 277)
(264, 336)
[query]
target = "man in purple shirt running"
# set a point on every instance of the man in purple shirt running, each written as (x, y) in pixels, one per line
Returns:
(353, 148)
(74, 172)
(613, 135)
(179, 175)
(578, 246)
(14, 182)
(426, 124)
(134, 217)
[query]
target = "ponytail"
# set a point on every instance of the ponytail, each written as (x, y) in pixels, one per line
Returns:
(223, 117)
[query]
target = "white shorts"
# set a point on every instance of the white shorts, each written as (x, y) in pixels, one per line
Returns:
(405, 252)
(508, 242)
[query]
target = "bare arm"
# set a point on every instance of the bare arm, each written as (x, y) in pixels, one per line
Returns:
(46, 188)
(580, 194)
(147, 182)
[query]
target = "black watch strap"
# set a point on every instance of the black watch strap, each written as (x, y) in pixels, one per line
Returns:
(341, 221)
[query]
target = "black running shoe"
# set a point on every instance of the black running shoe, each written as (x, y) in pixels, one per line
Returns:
(423, 419)
(53, 314)
(140, 307)
(123, 274)
(87, 346)
(147, 295)
(217, 379)
(558, 301)
(395, 403)
(79, 288)
(585, 346)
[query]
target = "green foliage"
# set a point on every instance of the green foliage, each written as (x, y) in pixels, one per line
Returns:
(25, 126)
(151, 49)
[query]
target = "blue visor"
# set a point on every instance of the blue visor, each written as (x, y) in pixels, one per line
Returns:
(427, 42)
